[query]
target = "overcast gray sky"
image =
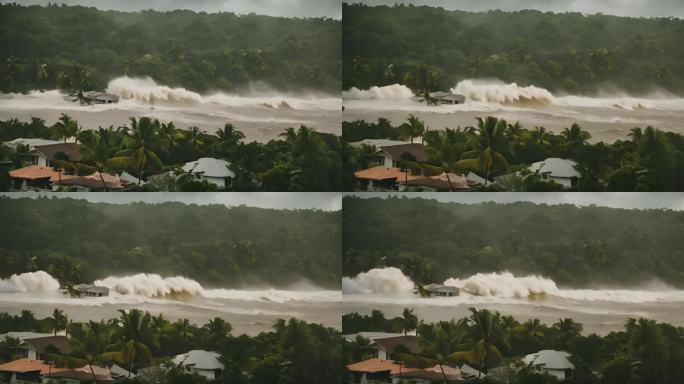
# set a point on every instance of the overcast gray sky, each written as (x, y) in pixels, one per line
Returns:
(634, 8)
(276, 200)
(629, 200)
(287, 8)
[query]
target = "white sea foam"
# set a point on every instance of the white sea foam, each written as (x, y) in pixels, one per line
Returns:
(39, 281)
(379, 280)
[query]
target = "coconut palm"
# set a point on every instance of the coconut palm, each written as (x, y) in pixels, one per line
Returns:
(141, 144)
(486, 326)
(409, 321)
(228, 139)
(58, 321)
(490, 142)
(413, 128)
(65, 128)
(574, 139)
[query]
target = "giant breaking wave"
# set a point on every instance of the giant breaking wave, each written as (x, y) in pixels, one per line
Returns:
(479, 92)
(391, 281)
(39, 281)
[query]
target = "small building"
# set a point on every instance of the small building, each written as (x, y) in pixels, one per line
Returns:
(392, 156)
(35, 348)
(555, 363)
(374, 371)
(562, 171)
(381, 178)
(92, 183)
(204, 363)
(44, 152)
(442, 290)
(36, 177)
(371, 335)
(431, 375)
(443, 98)
(215, 171)
(90, 290)
(96, 97)
(25, 371)
(387, 348)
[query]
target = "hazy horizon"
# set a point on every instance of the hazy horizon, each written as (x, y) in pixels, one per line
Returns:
(630, 8)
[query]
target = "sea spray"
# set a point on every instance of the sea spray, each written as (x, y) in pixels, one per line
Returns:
(497, 92)
(504, 284)
(148, 91)
(39, 281)
(389, 92)
(379, 280)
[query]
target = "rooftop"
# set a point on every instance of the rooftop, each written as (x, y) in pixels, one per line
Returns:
(39, 344)
(549, 359)
(378, 143)
(31, 142)
(50, 150)
(27, 365)
(375, 365)
(199, 359)
(37, 172)
(556, 167)
(209, 167)
(397, 152)
(390, 344)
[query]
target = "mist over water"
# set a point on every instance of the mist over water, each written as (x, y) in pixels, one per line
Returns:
(601, 309)
(608, 117)
(262, 115)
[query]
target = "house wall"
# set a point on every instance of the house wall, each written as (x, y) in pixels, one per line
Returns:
(219, 181)
(388, 162)
(565, 182)
(557, 373)
(209, 374)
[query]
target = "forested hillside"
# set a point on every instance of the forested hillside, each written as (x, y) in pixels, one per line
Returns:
(431, 241)
(77, 241)
(83, 48)
(424, 47)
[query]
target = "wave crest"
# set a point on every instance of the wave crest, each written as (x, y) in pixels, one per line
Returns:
(498, 92)
(504, 284)
(152, 285)
(378, 280)
(388, 92)
(145, 89)
(39, 281)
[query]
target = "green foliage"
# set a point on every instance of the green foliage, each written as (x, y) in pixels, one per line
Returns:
(580, 245)
(430, 48)
(79, 48)
(97, 240)
(641, 353)
(650, 160)
(293, 352)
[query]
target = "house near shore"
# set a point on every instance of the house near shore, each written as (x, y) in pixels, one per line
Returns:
(443, 98)
(27, 370)
(441, 290)
(215, 171)
(388, 347)
(204, 363)
(555, 363)
(381, 178)
(45, 178)
(376, 370)
(44, 152)
(89, 290)
(93, 97)
(561, 171)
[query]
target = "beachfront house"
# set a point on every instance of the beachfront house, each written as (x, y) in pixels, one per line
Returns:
(35, 348)
(27, 370)
(443, 98)
(381, 178)
(42, 178)
(215, 171)
(376, 370)
(387, 348)
(442, 290)
(204, 363)
(561, 171)
(555, 363)
(90, 290)
(44, 152)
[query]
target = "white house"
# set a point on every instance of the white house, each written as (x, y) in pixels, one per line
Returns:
(36, 348)
(386, 348)
(562, 171)
(204, 363)
(44, 152)
(215, 171)
(442, 290)
(90, 290)
(555, 363)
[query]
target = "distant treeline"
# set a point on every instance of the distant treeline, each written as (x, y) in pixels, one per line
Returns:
(431, 241)
(77, 241)
(567, 52)
(79, 48)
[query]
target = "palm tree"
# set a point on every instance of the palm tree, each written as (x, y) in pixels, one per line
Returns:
(228, 139)
(367, 155)
(58, 321)
(574, 138)
(97, 150)
(169, 134)
(540, 136)
(412, 129)
(141, 142)
(135, 333)
(218, 331)
(647, 344)
(194, 137)
(65, 128)
(409, 321)
(490, 143)
(486, 326)
(446, 147)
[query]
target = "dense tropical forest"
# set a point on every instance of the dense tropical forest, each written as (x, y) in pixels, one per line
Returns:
(649, 160)
(77, 241)
(294, 352)
(80, 48)
(299, 160)
(645, 352)
(430, 48)
(575, 246)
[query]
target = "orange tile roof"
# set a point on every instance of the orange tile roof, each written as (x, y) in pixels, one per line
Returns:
(376, 365)
(383, 173)
(27, 365)
(35, 172)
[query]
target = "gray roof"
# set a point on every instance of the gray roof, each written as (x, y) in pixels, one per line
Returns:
(91, 288)
(549, 359)
(199, 359)
(378, 143)
(371, 335)
(209, 167)
(556, 167)
(30, 142)
(24, 335)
